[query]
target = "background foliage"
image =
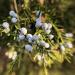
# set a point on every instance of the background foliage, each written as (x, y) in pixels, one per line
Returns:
(61, 11)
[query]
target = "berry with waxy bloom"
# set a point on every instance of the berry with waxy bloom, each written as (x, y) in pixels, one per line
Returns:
(35, 37)
(47, 31)
(5, 25)
(28, 47)
(13, 14)
(21, 37)
(42, 43)
(62, 48)
(14, 20)
(39, 57)
(38, 22)
(69, 35)
(29, 36)
(51, 36)
(47, 45)
(23, 31)
(69, 45)
(45, 26)
(49, 25)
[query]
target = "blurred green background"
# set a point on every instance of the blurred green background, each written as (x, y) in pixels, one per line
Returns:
(61, 11)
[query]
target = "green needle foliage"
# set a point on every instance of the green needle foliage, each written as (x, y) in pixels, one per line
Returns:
(33, 34)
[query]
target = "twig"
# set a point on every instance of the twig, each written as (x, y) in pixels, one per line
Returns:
(15, 6)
